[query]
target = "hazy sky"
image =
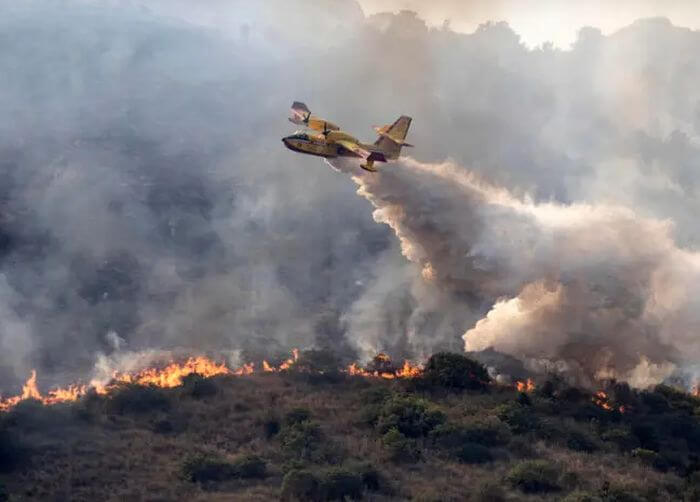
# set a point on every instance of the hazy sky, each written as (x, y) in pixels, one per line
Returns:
(539, 21)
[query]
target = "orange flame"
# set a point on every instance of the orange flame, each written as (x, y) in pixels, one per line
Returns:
(31, 391)
(408, 370)
(527, 386)
(600, 398)
(173, 374)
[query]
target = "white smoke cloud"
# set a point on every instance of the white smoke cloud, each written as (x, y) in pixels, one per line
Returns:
(594, 289)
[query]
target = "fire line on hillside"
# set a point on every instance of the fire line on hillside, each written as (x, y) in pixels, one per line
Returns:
(173, 374)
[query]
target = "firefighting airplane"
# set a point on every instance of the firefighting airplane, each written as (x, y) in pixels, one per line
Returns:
(332, 142)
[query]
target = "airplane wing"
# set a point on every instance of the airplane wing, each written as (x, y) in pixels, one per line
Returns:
(301, 115)
(353, 147)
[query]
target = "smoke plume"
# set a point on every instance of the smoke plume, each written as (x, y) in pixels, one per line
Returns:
(147, 204)
(594, 289)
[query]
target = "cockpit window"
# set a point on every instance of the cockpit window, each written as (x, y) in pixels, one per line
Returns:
(300, 135)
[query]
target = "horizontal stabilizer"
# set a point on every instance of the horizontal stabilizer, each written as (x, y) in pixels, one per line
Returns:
(392, 138)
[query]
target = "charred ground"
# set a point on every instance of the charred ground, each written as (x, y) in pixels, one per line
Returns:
(449, 434)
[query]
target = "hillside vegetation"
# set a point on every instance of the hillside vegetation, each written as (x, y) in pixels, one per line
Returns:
(313, 434)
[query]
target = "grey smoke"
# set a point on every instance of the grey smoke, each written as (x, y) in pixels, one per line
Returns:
(145, 192)
(594, 291)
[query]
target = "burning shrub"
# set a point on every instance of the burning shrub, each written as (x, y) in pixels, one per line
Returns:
(455, 371)
(381, 363)
(198, 386)
(299, 485)
(411, 416)
(317, 366)
(207, 468)
(134, 398)
(340, 484)
(534, 476)
(400, 448)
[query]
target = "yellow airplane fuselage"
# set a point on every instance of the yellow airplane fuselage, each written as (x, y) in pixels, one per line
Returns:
(320, 145)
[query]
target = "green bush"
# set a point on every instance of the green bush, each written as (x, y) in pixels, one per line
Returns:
(621, 494)
(534, 476)
(647, 435)
(580, 496)
(301, 440)
(489, 491)
(411, 416)
(399, 447)
(198, 386)
(375, 395)
(12, 452)
(134, 398)
(520, 419)
(369, 414)
(296, 416)
(299, 486)
(580, 441)
(372, 479)
(338, 484)
(206, 468)
(473, 453)
(31, 415)
(163, 426)
(623, 438)
(271, 425)
(249, 466)
(651, 458)
(455, 371)
(487, 432)
(522, 447)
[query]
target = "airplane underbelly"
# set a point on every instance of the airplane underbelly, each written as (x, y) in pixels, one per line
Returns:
(319, 149)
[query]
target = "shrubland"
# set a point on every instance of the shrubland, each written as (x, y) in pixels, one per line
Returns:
(316, 434)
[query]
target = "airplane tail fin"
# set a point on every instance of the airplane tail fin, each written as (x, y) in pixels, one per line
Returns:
(391, 138)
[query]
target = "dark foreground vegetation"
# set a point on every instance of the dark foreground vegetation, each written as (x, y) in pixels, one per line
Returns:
(301, 435)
